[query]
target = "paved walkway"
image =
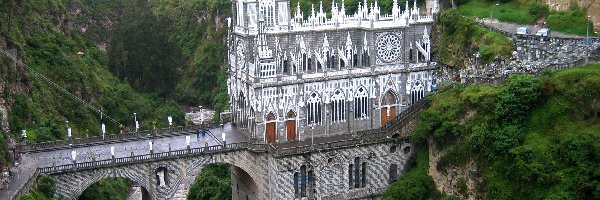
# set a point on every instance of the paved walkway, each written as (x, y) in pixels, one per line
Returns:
(31, 161)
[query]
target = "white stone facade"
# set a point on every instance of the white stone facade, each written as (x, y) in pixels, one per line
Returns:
(293, 78)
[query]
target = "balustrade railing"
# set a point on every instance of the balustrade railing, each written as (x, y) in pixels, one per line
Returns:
(146, 157)
(116, 137)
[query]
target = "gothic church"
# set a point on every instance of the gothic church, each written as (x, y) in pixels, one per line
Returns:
(293, 76)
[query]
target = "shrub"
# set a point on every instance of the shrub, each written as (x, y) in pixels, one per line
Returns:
(46, 185)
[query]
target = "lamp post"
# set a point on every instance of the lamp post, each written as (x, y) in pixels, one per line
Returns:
(201, 115)
(135, 122)
(492, 12)
(170, 120)
(102, 127)
(69, 132)
(24, 135)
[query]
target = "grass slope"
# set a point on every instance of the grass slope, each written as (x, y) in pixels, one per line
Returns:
(534, 138)
(573, 21)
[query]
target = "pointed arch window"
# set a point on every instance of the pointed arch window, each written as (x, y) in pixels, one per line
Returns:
(417, 91)
(338, 107)
(360, 104)
(314, 109)
(365, 59)
(357, 172)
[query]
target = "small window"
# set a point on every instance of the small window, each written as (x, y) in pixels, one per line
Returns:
(406, 150)
(393, 149)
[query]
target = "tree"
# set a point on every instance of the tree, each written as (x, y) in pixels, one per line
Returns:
(46, 185)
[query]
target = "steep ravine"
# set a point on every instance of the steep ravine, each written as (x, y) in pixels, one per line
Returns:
(458, 181)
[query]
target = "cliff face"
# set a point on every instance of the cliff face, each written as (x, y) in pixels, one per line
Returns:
(592, 7)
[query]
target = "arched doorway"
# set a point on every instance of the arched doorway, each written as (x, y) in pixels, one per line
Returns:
(290, 125)
(388, 107)
(270, 130)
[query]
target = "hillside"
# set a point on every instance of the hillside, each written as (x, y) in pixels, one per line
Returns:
(530, 138)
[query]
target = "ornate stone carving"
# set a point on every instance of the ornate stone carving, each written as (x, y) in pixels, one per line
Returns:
(389, 47)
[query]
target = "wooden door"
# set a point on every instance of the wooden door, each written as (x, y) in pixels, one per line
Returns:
(383, 115)
(392, 113)
(291, 130)
(270, 132)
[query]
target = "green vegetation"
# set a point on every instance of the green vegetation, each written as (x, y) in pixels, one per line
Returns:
(508, 11)
(458, 38)
(415, 184)
(107, 189)
(533, 138)
(49, 46)
(573, 21)
(213, 183)
(44, 191)
(570, 22)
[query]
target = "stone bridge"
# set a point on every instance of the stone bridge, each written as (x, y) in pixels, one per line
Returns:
(348, 166)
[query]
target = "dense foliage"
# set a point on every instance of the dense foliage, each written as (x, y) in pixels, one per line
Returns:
(415, 184)
(533, 138)
(458, 38)
(44, 191)
(213, 183)
(48, 42)
(107, 189)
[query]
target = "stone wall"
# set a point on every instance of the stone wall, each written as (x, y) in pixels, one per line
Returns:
(531, 55)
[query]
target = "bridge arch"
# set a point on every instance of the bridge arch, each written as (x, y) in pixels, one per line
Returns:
(72, 186)
(244, 175)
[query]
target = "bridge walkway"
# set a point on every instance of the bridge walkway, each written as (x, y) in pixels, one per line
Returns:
(96, 151)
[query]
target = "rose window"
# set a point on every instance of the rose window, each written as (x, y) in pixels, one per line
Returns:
(389, 47)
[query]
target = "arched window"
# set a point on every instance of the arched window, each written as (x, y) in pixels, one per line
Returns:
(304, 62)
(364, 174)
(357, 172)
(365, 59)
(296, 183)
(333, 63)
(329, 60)
(355, 60)
(360, 104)
(393, 173)
(417, 91)
(303, 180)
(252, 120)
(338, 107)
(350, 176)
(285, 67)
(309, 64)
(314, 109)
(410, 55)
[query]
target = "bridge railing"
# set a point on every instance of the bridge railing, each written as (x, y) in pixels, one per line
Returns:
(145, 157)
(117, 137)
